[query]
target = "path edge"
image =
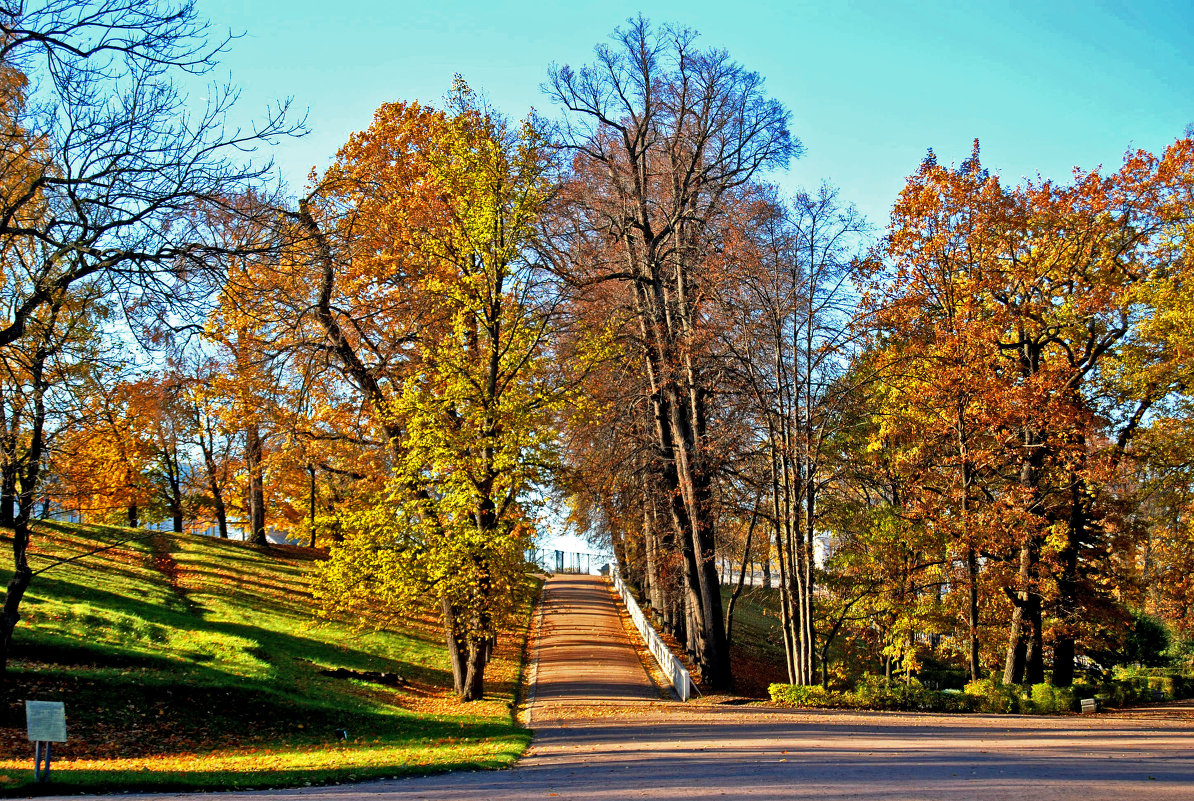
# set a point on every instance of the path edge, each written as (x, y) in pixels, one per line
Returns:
(525, 715)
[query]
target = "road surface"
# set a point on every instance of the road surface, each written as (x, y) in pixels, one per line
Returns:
(602, 733)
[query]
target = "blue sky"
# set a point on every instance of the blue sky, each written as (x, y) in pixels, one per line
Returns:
(1044, 86)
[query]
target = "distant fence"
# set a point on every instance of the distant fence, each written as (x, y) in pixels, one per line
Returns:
(556, 561)
(668, 662)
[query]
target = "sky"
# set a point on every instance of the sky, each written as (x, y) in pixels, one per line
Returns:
(1045, 86)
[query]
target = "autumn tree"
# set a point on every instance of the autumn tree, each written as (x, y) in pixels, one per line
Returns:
(1021, 301)
(202, 412)
(662, 134)
(419, 236)
(104, 163)
(106, 461)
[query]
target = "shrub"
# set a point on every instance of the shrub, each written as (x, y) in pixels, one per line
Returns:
(987, 695)
(1147, 640)
(1181, 653)
(1083, 689)
(801, 697)
(992, 695)
(1047, 699)
(873, 693)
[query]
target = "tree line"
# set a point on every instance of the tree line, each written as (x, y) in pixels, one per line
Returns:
(964, 430)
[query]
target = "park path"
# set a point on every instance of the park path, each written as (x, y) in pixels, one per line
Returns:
(583, 657)
(602, 734)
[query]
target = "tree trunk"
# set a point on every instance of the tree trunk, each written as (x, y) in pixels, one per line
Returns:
(221, 517)
(754, 518)
(213, 484)
(1017, 649)
(677, 429)
(765, 563)
(457, 647)
(15, 592)
(311, 469)
(8, 492)
(1034, 660)
(29, 477)
(474, 681)
(973, 665)
(1016, 664)
(176, 510)
(256, 489)
(22, 574)
(1064, 646)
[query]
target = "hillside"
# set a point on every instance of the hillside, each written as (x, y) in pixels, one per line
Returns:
(189, 662)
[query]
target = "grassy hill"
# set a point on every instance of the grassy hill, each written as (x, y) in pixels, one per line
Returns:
(187, 662)
(757, 651)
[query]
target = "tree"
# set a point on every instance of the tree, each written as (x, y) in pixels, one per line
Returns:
(663, 134)
(39, 375)
(442, 328)
(104, 166)
(790, 306)
(1009, 312)
(106, 460)
(204, 410)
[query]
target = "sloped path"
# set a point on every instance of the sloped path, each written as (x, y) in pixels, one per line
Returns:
(599, 736)
(583, 656)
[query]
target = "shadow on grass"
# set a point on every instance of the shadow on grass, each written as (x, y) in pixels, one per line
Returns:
(220, 680)
(93, 781)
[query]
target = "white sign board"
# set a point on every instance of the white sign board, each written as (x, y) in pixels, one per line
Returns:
(46, 721)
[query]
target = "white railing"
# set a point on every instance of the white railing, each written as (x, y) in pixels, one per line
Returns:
(663, 655)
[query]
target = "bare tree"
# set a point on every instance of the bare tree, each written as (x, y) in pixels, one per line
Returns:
(663, 133)
(793, 344)
(106, 168)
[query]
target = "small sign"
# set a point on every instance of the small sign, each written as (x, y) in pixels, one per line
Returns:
(1090, 705)
(46, 721)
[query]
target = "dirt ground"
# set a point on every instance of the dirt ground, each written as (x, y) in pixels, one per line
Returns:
(599, 736)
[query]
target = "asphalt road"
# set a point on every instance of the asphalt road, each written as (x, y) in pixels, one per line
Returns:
(600, 735)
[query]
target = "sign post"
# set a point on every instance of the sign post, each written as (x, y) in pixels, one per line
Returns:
(46, 723)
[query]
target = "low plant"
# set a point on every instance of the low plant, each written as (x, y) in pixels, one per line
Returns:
(1129, 686)
(992, 695)
(1049, 700)
(875, 693)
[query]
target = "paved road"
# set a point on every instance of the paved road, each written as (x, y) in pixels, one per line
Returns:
(598, 737)
(583, 657)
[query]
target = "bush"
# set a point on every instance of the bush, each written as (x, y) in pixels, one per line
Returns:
(988, 695)
(1181, 653)
(1083, 689)
(801, 697)
(939, 676)
(873, 693)
(992, 695)
(1147, 641)
(1048, 700)
(877, 692)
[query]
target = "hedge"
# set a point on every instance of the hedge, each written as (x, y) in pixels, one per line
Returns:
(988, 695)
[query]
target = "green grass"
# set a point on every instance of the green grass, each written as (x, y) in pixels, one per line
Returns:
(191, 663)
(757, 650)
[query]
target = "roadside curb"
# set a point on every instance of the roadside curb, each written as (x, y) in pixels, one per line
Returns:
(533, 669)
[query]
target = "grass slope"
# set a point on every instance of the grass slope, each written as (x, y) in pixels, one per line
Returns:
(188, 663)
(757, 651)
